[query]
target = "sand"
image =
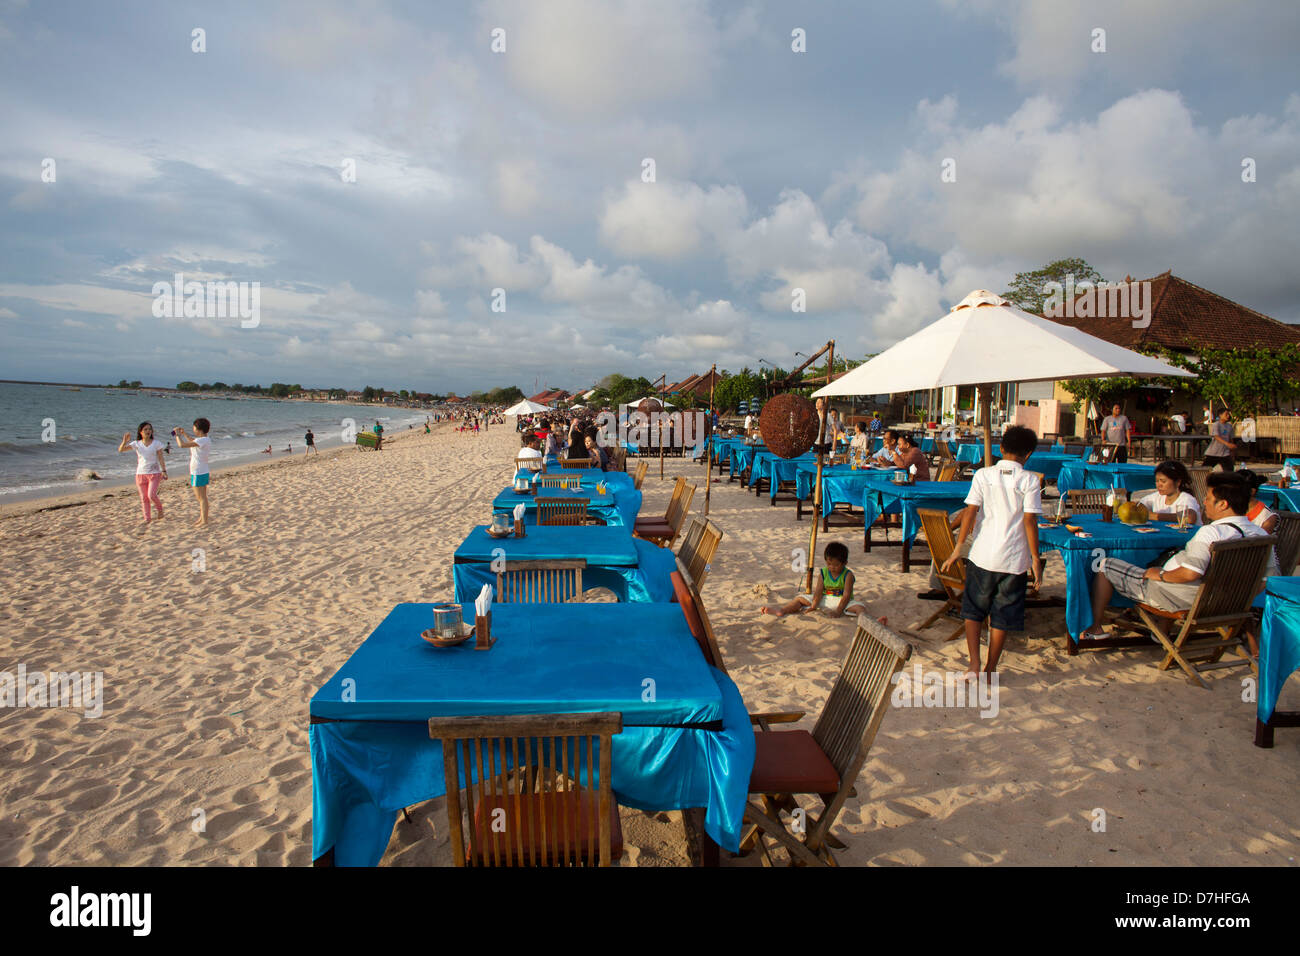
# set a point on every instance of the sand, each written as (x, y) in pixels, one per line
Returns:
(208, 674)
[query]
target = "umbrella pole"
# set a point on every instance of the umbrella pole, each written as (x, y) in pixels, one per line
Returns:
(983, 395)
(661, 433)
(708, 437)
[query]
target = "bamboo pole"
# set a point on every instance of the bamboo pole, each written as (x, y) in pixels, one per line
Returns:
(984, 398)
(708, 451)
(823, 404)
(662, 409)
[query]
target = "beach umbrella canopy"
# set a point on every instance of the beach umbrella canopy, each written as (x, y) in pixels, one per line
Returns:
(983, 340)
(526, 408)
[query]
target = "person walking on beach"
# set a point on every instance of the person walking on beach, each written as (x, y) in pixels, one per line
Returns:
(1002, 509)
(1223, 448)
(379, 435)
(310, 439)
(1117, 430)
(150, 469)
(198, 447)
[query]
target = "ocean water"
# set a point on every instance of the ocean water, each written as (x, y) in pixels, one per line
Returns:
(88, 424)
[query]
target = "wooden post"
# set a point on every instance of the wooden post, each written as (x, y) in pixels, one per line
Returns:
(708, 450)
(662, 408)
(817, 480)
(983, 395)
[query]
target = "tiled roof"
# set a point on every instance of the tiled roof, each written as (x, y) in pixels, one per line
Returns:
(1186, 317)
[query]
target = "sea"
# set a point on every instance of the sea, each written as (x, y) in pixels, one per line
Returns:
(48, 433)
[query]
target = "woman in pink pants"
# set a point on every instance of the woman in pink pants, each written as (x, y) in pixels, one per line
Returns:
(150, 469)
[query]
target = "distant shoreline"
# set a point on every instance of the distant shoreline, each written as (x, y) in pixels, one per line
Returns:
(227, 393)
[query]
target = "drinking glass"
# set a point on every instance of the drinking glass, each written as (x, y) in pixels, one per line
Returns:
(446, 620)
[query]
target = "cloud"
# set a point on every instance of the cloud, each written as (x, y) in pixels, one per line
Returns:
(668, 220)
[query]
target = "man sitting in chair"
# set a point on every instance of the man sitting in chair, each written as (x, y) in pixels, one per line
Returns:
(530, 450)
(1173, 586)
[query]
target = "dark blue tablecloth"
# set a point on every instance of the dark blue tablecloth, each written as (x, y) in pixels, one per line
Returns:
(1279, 499)
(841, 484)
(633, 569)
(689, 743)
(1111, 539)
(618, 506)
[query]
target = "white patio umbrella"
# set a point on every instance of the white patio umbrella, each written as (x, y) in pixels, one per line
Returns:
(984, 340)
(526, 408)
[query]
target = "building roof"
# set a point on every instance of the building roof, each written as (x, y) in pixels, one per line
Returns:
(550, 396)
(1186, 317)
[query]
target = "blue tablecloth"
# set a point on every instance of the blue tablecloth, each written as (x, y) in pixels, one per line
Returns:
(742, 455)
(690, 745)
(769, 465)
(1115, 540)
(633, 569)
(1080, 474)
(1279, 499)
(1279, 641)
(885, 497)
(618, 506)
(841, 484)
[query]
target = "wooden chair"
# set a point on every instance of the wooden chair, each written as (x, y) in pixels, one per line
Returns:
(528, 464)
(1074, 449)
(687, 593)
(532, 806)
(642, 467)
(699, 545)
(1085, 501)
(559, 481)
(561, 511)
(947, 471)
(938, 534)
(663, 531)
(540, 582)
(827, 761)
(1199, 486)
(1288, 542)
(1221, 608)
(575, 462)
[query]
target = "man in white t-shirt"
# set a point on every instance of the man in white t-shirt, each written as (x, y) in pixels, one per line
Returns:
(199, 468)
(749, 425)
(1173, 586)
(530, 450)
(1002, 509)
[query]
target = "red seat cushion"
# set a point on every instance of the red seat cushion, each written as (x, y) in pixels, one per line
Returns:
(789, 761)
(571, 817)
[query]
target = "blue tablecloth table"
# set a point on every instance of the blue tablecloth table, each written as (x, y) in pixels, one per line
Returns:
(633, 569)
(1112, 539)
(689, 744)
(618, 506)
(1279, 655)
(1279, 499)
(841, 485)
(885, 497)
(1081, 474)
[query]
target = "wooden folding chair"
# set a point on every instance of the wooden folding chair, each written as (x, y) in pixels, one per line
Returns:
(561, 511)
(560, 481)
(687, 594)
(1221, 608)
(1199, 485)
(947, 471)
(1085, 501)
(827, 761)
(638, 476)
(575, 462)
(541, 582)
(699, 545)
(1288, 542)
(938, 534)
(664, 532)
(526, 802)
(527, 464)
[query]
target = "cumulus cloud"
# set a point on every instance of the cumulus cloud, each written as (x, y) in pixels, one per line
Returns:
(669, 220)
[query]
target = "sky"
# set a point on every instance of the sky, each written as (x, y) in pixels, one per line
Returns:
(127, 156)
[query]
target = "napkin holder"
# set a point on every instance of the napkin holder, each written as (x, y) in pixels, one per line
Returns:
(519, 533)
(483, 639)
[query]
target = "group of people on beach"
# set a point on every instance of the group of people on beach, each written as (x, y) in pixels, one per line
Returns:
(998, 541)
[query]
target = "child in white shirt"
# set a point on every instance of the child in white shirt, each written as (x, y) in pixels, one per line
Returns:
(150, 469)
(199, 447)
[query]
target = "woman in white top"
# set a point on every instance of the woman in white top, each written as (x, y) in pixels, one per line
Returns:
(1172, 494)
(150, 469)
(860, 447)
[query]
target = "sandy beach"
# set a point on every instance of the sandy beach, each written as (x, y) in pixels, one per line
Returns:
(207, 676)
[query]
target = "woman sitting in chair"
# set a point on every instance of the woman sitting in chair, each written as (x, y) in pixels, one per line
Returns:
(1173, 494)
(594, 452)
